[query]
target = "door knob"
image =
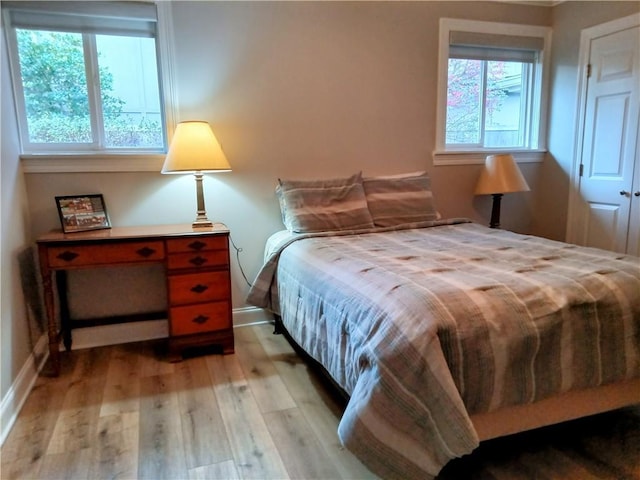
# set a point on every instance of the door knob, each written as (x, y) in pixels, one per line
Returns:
(624, 193)
(636, 194)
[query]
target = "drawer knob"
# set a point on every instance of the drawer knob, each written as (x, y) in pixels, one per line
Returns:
(199, 288)
(198, 261)
(67, 256)
(197, 245)
(200, 319)
(145, 252)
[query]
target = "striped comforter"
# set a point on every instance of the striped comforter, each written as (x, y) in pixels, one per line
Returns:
(425, 326)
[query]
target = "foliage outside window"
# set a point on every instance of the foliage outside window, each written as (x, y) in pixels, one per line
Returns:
(490, 89)
(85, 89)
(486, 103)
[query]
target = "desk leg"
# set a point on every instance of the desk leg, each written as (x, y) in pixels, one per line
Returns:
(65, 320)
(52, 328)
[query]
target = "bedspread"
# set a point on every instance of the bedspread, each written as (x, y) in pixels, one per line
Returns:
(425, 326)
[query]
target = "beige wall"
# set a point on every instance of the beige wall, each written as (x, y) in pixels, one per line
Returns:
(297, 89)
(17, 332)
(569, 19)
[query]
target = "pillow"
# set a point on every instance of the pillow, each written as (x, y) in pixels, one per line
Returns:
(397, 199)
(323, 205)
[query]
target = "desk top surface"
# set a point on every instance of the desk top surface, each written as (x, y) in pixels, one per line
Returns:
(125, 233)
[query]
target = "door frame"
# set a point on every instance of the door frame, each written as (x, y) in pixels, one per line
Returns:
(574, 212)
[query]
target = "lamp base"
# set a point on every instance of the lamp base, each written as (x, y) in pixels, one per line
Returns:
(201, 215)
(202, 223)
(495, 211)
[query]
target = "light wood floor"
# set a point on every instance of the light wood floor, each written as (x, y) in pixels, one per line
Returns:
(262, 413)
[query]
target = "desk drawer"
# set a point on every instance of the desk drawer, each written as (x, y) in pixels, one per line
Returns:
(198, 260)
(106, 254)
(198, 244)
(199, 287)
(205, 317)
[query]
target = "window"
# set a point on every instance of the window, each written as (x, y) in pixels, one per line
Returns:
(86, 76)
(490, 88)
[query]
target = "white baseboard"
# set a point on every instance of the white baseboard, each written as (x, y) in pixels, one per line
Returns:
(97, 337)
(243, 317)
(19, 391)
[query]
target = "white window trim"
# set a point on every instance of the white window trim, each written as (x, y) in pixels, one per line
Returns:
(478, 157)
(122, 162)
(442, 156)
(84, 163)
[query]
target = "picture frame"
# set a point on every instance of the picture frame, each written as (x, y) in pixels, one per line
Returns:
(80, 213)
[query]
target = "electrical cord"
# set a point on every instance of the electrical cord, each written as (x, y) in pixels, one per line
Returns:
(238, 250)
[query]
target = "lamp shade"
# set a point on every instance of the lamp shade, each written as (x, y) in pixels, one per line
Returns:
(500, 175)
(194, 148)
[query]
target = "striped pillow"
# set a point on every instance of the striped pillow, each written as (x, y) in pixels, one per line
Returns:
(399, 199)
(323, 205)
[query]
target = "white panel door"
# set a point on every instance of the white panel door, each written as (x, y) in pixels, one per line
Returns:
(610, 142)
(633, 238)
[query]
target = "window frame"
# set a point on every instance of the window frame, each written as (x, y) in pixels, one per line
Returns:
(461, 155)
(85, 159)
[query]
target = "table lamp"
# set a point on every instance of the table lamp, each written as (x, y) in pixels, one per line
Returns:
(195, 149)
(500, 175)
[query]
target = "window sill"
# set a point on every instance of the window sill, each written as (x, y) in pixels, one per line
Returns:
(85, 163)
(478, 158)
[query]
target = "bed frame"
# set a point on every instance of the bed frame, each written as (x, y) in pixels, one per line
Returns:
(561, 408)
(509, 420)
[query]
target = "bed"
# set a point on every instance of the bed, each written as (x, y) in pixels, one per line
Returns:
(444, 332)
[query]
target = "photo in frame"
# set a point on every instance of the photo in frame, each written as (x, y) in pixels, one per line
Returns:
(82, 212)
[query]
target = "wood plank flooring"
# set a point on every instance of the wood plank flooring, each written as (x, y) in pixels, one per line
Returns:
(262, 413)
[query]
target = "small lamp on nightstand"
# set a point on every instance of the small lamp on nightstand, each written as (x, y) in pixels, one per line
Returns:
(195, 149)
(500, 175)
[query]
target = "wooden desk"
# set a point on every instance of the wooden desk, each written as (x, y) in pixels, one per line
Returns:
(196, 266)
